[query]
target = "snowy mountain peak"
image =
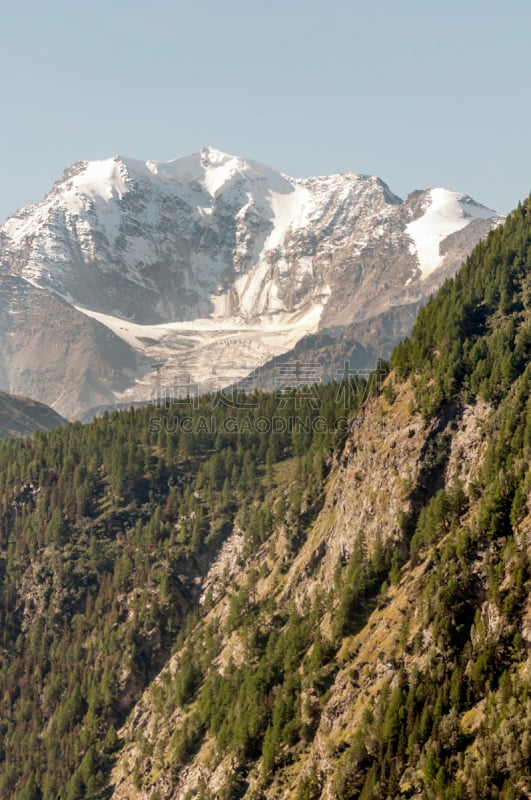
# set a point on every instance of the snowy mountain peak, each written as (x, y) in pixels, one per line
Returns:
(213, 156)
(215, 235)
(216, 171)
(103, 180)
(176, 257)
(444, 212)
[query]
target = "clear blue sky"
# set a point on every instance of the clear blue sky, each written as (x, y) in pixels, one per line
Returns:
(418, 92)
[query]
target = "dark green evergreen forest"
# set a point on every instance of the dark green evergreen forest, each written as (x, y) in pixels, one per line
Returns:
(103, 529)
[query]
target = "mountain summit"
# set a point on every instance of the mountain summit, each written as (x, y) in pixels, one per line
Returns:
(176, 257)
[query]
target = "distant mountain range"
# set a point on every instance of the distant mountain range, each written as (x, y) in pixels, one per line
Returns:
(205, 268)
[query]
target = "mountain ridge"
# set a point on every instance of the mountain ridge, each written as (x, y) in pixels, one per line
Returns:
(21, 416)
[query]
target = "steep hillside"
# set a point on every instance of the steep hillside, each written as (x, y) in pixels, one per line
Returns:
(20, 416)
(107, 532)
(56, 354)
(389, 655)
(313, 595)
(213, 259)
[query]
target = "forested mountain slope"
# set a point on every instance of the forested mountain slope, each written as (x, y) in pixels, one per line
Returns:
(194, 606)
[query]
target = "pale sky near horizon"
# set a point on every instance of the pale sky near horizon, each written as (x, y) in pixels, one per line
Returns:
(419, 93)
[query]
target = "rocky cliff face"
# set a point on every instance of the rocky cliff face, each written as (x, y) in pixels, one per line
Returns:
(179, 258)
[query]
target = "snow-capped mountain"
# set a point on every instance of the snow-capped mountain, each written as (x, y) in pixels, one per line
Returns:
(212, 258)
